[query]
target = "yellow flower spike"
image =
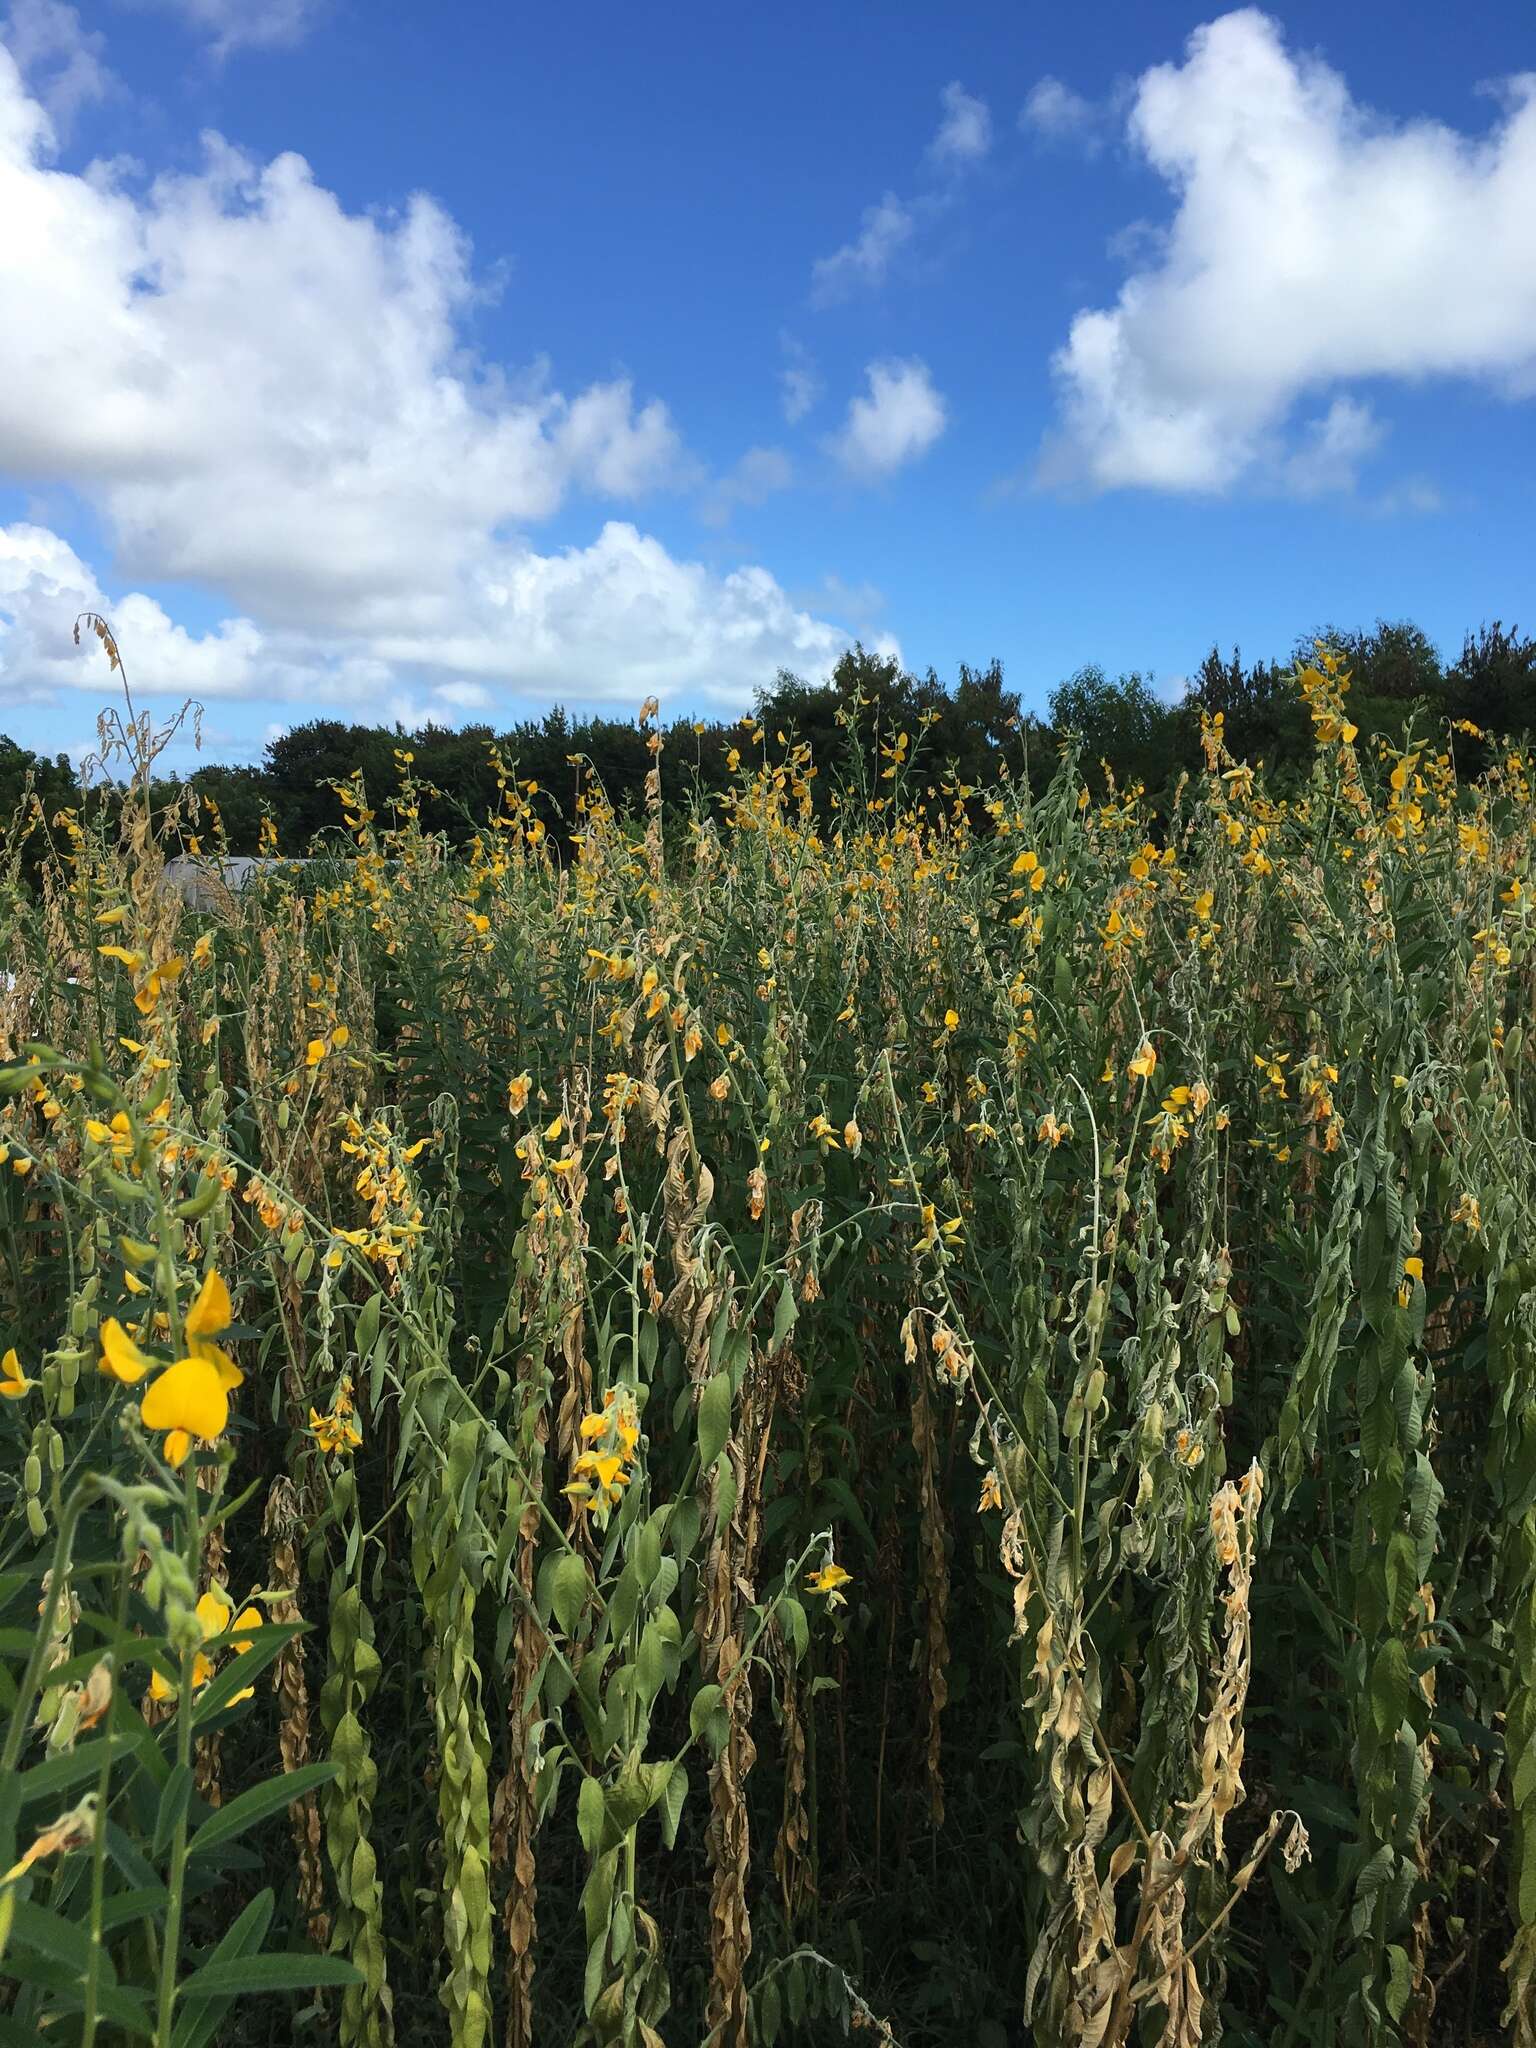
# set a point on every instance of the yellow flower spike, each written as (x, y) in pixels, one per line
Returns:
(121, 1358)
(13, 1381)
(188, 1400)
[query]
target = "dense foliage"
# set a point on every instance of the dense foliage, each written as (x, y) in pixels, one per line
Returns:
(885, 1403)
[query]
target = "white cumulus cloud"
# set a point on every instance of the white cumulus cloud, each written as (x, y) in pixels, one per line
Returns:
(263, 395)
(965, 131)
(1315, 243)
(63, 62)
(898, 420)
(885, 228)
(1055, 113)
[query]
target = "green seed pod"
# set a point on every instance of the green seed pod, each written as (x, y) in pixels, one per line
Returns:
(283, 1113)
(32, 1473)
(55, 1454)
(37, 1521)
(198, 1205)
(65, 1405)
(69, 1368)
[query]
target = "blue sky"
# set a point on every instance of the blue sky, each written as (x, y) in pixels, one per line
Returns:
(594, 352)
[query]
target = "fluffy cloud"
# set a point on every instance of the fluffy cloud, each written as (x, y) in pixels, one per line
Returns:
(963, 137)
(63, 62)
(262, 394)
(44, 586)
(900, 419)
(885, 227)
(965, 132)
(799, 385)
(1314, 243)
(229, 25)
(757, 476)
(614, 621)
(1056, 113)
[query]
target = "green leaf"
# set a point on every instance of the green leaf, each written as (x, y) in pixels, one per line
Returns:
(569, 1586)
(784, 1314)
(66, 1941)
(367, 1326)
(61, 1774)
(1391, 1688)
(768, 2013)
(590, 1811)
(794, 1625)
(714, 1418)
(673, 1800)
(706, 1701)
(287, 1971)
(198, 2023)
(1402, 1575)
(174, 1795)
(260, 1801)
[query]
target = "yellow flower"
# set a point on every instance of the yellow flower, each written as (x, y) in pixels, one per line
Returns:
(13, 1381)
(121, 1358)
(991, 1494)
(1145, 1062)
(829, 1580)
(517, 1091)
(951, 1020)
(315, 1052)
(209, 1317)
(247, 1618)
(76, 1830)
(187, 1401)
(336, 1436)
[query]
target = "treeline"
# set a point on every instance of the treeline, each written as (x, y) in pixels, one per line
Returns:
(970, 727)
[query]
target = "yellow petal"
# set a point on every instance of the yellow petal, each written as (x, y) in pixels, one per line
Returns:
(212, 1310)
(177, 1445)
(121, 1358)
(188, 1396)
(250, 1618)
(13, 1381)
(212, 1614)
